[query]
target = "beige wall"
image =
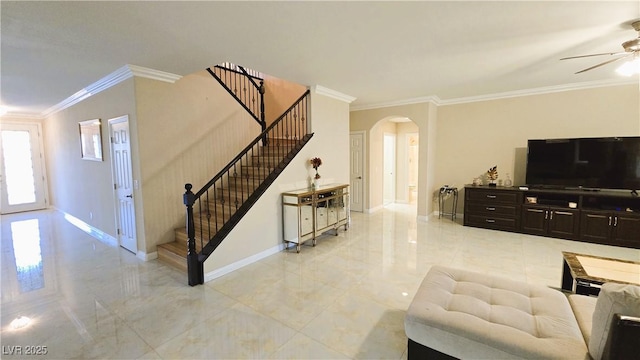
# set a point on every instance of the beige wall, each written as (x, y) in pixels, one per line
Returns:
(79, 187)
(181, 132)
(279, 96)
(473, 137)
(187, 132)
(424, 115)
(460, 142)
(261, 229)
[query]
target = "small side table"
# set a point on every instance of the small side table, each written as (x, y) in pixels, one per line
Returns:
(443, 195)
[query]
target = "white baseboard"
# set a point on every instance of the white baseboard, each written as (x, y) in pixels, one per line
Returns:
(102, 236)
(147, 257)
(95, 232)
(372, 210)
(242, 263)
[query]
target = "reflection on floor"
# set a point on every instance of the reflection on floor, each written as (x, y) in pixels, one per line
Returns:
(344, 298)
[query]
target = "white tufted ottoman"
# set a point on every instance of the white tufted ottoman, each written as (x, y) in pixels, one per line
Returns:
(470, 315)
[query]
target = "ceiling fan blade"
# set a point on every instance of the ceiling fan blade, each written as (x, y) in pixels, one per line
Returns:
(604, 63)
(590, 55)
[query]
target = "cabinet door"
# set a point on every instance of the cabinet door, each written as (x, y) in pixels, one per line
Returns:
(564, 224)
(595, 226)
(534, 220)
(306, 221)
(332, 215)
(627, 230)
(321, 218)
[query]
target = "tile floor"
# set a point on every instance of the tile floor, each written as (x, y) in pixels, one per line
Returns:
(344, 298)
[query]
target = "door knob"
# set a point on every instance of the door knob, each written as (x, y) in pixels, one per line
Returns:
(359, 177)
(130, 196)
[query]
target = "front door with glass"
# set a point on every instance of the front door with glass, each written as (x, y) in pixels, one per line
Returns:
(21, 164)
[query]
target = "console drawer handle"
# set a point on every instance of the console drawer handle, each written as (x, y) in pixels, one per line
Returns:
(491, 208)
(535, 210)
(563, 213)
(491, 221)
(491, 196)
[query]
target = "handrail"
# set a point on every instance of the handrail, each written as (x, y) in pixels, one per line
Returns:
(261, 90)
(218, 206)
(232, 67)
(250, 95)
(250, 77)
(248, 147)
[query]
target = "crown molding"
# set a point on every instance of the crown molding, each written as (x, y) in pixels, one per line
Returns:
(497, 96)
(419, 100)
(540, 91)
(144, 72)
(116, 77)
(321, 90)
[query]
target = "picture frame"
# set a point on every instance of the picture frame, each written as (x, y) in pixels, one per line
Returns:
(91, 139)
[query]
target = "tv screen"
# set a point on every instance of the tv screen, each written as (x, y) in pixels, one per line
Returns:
(594, 163)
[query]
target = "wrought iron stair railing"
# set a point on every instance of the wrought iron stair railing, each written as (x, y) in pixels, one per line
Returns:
(214, 210)
(245, 85)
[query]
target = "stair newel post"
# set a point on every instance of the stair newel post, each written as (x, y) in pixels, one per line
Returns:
(195, 270)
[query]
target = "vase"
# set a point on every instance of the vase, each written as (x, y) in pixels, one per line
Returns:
(316, 183)
(507, 181)
(492, 183)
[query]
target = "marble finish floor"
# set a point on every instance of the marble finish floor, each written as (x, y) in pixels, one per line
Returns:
(345, 298)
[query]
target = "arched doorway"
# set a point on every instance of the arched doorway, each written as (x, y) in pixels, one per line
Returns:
(370, 121)
(393, 161)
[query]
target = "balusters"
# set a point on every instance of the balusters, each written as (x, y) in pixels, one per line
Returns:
(216, 201)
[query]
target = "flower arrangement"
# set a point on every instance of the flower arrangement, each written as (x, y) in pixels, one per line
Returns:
(315, 163)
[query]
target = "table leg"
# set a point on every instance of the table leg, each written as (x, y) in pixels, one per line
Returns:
(455, 204)
(567, 278)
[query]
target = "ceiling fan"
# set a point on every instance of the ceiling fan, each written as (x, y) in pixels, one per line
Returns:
(631, 49)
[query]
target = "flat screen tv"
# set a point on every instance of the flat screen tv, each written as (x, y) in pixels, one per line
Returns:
(589, 163)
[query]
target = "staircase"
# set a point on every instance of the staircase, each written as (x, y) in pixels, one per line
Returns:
(214, 210)
(234, 192)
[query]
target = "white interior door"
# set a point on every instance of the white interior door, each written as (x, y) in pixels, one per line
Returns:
(21, 169)
(123, 183)
(356, 190)
(389, 177)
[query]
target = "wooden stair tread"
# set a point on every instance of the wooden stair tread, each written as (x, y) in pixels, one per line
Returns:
(178, 247)
(169, 254)
(240, 189)
(175, 247)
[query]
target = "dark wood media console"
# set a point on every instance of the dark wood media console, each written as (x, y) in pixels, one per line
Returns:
(603, 217)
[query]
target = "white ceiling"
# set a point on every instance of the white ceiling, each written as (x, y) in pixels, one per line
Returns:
(378, 52)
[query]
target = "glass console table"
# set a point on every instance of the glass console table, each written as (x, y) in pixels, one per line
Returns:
(307, 213)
